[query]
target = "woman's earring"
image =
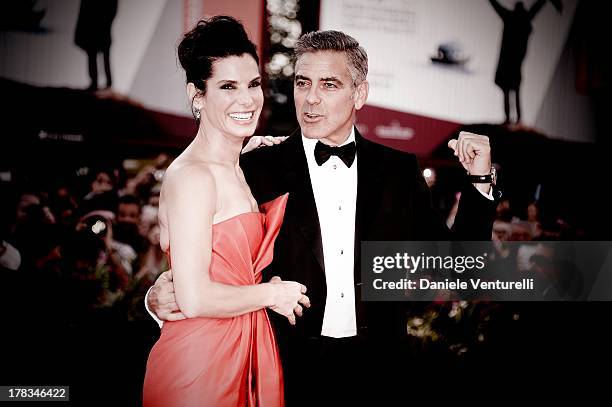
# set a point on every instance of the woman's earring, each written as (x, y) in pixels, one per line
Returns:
(196, 114)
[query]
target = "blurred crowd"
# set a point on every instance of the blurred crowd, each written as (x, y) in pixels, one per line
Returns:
(520, 236)
(89, 245)
(94, 242)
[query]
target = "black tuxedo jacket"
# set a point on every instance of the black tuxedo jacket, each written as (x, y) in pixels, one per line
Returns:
(393, 203)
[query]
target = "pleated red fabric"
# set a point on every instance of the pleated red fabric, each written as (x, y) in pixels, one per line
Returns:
(224, 361)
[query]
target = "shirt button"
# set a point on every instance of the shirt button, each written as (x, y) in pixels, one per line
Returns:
(335, 166)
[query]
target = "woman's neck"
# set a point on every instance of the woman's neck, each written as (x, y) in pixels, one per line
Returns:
(212, 145)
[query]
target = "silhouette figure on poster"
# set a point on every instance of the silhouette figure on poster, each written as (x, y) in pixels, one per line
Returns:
(517, 29)
(93, 35)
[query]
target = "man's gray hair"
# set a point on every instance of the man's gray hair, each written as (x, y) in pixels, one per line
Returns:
(331, 40)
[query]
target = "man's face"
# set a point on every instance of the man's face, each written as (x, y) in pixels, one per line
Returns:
(128, 213)
(102, 183)
(325, 97)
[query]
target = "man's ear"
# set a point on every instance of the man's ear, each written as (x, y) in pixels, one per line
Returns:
(361, 94)
(192, 93)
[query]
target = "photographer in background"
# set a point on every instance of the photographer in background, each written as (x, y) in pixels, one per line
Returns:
(97, 257)
(127, 224)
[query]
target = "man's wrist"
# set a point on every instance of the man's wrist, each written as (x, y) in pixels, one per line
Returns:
(487, 179)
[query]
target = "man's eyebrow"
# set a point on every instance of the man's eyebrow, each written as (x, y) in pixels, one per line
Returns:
(331, 79)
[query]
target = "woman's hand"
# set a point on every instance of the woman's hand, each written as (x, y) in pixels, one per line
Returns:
(288, 298)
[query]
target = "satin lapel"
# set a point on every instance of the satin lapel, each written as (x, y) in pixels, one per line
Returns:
(301, 197)
(369, 193)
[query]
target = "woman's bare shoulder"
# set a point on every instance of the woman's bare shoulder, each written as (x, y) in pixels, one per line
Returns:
(187, 174)
(186, 166)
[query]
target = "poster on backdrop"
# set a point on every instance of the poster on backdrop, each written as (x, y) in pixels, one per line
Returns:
(434, 64)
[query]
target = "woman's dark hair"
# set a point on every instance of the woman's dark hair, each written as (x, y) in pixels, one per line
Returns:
(212, 39)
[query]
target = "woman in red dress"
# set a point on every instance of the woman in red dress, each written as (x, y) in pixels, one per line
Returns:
(224, 352)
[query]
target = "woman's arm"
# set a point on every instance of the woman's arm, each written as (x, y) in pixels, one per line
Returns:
(190, 199)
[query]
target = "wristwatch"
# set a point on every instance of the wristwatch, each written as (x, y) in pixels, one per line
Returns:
(484, 179)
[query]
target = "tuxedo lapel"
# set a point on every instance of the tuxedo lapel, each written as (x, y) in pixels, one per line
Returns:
(301, 197)
(369, 193)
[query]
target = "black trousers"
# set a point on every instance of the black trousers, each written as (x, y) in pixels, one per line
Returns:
(323, 371)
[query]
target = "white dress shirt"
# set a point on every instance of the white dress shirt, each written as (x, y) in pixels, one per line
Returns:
(335, 192)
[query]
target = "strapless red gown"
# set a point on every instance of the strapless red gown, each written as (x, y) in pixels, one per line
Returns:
(224, 361)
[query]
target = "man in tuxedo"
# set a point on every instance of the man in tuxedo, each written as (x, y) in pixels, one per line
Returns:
(344, 189)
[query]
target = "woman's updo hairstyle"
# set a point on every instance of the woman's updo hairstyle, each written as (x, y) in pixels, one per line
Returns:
(210, 40)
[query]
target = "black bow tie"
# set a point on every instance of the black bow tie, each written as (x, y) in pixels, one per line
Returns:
(346, 153)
